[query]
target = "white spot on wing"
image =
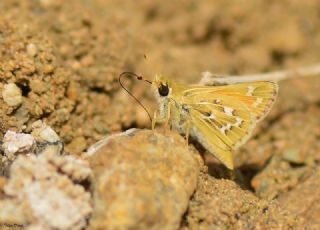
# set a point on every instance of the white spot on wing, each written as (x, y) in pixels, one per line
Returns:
(225, 127)
(212, 116)
(258, 101)
(228, 111)
(239, 121)
(250, 90)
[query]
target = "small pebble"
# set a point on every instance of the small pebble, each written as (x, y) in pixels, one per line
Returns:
(293, 155)
(32, 49)
(17, 143)
(48, 69)
(12, 95)
(37, 86)
(44, 133)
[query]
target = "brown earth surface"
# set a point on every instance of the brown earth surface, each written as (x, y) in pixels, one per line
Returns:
(66, 56)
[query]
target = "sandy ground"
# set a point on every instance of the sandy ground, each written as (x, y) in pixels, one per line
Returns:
(66, 56)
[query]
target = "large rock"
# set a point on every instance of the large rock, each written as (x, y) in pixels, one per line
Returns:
(142, 180)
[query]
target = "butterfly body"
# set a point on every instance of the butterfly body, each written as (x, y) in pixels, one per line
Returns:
(221, 118)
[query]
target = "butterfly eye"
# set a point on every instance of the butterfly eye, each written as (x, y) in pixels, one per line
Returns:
(163, 90)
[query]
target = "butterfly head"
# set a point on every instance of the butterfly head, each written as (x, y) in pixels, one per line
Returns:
(162, 86)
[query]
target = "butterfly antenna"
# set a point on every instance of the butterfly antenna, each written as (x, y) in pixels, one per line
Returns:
(140, 78)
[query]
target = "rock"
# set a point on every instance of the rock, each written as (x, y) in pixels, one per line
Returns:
(47, 139)
(222, 204)
(48, 69)
(76, 168)
(12, 95)
(44, 133)
(32, 49)
(14, 143)
(142, 180)
(78, 145)
(45, 194)
(38, 86)
(293, 155)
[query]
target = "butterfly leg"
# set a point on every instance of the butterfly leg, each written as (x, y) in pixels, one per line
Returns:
(167, 118)
(161, 118)
(154, 120)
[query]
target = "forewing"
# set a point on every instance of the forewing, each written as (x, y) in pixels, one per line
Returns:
(257, 96)
(221, 125)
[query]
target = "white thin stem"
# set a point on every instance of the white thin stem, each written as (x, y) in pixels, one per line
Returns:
(210, 79)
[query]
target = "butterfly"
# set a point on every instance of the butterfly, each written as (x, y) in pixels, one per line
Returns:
(220, 118)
